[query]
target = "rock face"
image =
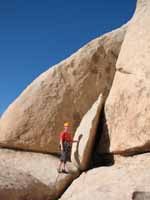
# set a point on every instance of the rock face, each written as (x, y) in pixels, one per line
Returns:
(15, 185)
(81, 152)
(64, 93)
(127, 179)
(127, 109)
(33, 176)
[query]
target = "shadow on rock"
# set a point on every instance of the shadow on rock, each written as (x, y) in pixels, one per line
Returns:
(102, 144)
(141, 195)
(76, 153)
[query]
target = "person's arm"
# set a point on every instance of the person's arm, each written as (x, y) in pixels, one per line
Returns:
(61, 144)
(73, 141)
(79, 138)
(61, 141)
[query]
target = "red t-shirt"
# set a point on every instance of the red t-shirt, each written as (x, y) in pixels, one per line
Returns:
(65, 136)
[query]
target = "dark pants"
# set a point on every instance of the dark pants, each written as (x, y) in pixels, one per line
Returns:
(64, 157)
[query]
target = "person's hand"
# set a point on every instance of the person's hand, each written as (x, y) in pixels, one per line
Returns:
(62, 149)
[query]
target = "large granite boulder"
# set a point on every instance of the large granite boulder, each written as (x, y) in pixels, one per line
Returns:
(26, 176)
(127, 109)
(128, 179)
(86, 132)
(63, 93)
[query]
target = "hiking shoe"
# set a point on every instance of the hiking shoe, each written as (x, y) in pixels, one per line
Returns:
(65, 172)
(59, 170)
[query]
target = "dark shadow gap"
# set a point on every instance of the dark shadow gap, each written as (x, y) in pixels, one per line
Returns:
(30, 151)
(106, 158)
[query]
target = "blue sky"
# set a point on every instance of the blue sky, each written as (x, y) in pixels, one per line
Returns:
(36, 34)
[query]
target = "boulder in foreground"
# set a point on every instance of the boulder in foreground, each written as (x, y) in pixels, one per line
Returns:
(33, 176)
(128, 179)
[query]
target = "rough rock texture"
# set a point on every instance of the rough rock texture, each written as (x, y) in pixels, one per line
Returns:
(81, 152)
(127, 108)
(64, 93)
(126, 180)
(26, 176)
(16, 185)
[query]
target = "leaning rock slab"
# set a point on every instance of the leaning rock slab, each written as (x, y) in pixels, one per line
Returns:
(128, 179)
(81, 152)
(127, 108)
(25, 175)
(63, 93)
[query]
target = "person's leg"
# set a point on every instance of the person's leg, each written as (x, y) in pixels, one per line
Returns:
(61, 162)
(65, 167)
(65, 158)
(60, 166)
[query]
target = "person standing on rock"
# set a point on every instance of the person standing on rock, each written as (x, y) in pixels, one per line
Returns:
(65, 146)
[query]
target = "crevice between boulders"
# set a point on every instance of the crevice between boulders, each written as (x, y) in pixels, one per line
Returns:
(105, 159)
(29, 150)
(133, 151)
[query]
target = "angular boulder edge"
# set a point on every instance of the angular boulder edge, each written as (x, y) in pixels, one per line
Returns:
(81, 151)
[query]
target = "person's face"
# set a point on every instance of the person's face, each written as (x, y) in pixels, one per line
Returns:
(66, 128)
